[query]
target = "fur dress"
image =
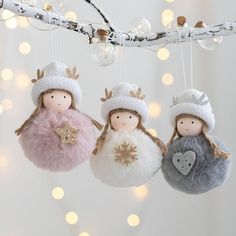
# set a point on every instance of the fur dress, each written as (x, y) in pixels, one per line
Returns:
(204, 173)
(126, 159)
(43, 146)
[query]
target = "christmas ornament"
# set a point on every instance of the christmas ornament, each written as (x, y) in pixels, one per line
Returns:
(195, 162)
(126, 153)
(57, 137)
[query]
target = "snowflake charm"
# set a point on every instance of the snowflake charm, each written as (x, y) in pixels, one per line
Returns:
(126, 154)
(67, 133)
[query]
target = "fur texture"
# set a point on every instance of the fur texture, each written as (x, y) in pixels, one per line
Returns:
(43, 147)
(114, 173)
(207, 172)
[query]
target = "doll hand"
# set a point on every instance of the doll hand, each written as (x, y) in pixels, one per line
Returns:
(184, 162)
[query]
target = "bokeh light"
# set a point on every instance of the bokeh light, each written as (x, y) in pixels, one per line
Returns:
(7, 104)
(133, 220)
(23, 22)
(11, 23)
(141, 192)
(169, 1)
(154, 109)
(71, 15)
(71, 218)
(7, 74)
(3, 161)
(58, 193)
(167, 17)
(167, 79)
(163, 54)
(22, 81)
(84, 234)
(24, 48)
(1, 109)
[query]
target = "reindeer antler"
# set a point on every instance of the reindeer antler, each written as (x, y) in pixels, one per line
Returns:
(40, 75)
(138, 94)
(72, 73)
(108, 95)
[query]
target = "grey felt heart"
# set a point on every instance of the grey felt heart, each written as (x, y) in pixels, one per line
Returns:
(184, 162)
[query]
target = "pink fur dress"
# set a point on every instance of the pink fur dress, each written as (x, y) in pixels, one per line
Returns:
(45, 141)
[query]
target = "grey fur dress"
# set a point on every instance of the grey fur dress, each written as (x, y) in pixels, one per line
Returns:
(191, 167)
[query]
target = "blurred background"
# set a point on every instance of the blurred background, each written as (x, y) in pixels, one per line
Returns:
(36, 202)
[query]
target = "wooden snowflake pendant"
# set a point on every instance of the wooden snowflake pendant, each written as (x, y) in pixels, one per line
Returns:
(67, 133)
(126, 154)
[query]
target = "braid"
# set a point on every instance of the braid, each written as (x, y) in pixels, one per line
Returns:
(97, 124)
(101, 139)
(156, 140)
(28, 122)
(216, 149)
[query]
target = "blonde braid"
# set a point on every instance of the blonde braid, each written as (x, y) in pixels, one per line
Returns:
(101, 139)
(156, 140)
(216, 149)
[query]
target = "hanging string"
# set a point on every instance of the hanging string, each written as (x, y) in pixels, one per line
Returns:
(191, 60)
(182, 58)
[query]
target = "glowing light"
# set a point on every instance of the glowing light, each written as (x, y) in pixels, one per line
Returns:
(22, 81)
(133, 220)
(22, 21)
(71, 218)
(84, 234)
(7, 104)
(11, 23)
(71, 15)
(58, 193)
(141, 192)
(7, 74)
(153, 132)
(167, 79)
(154, 109)
(1, 109)
(3, 161)
(24, 48)
(6, 14)
(169, 1)
(163, 54)
(167, 17)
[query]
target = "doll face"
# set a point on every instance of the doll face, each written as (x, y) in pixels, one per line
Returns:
(57, 100)
(124, 121)
(189, 126)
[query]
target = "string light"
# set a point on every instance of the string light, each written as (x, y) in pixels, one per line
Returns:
(22, 81)
(7, 104)
(154, 109)
(153, 132)
(24, 48)
(71, 218)
(7, 74)
(133, 220)
(167, 17)
(84, 234)
(167, 79)
(163, 54)
(71, 15)
(58, 193)
(141, 192)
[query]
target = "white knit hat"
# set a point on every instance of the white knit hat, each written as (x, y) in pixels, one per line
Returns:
(56, 75)
(126, 96)
(192, 102)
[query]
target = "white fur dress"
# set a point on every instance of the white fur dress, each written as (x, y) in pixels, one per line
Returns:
(126, 159)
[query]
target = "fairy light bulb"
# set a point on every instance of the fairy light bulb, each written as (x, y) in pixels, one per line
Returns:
(154, 109)
(84, 234)
(103, 52)
(140, 27)
(167, 79)
(133, 220)
(23, 22)
(58, 193)
(167, 17)
(7, 74)
(23, 81)
(24, 48)
(211, 43)
(71, 15)
(163, 54)
(52, 5)
(169, 1)
(141, 192)
(71, 218)
(3, 159)
(12, 23)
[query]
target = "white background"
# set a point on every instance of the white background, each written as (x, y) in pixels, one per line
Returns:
(26, 205)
